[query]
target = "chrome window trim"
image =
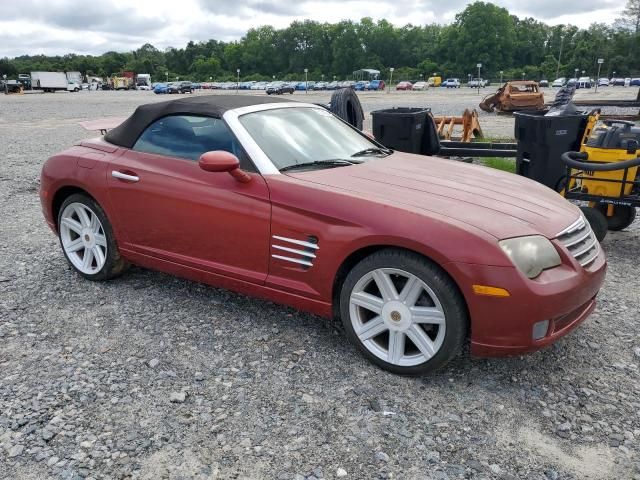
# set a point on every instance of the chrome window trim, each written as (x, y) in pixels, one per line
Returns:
(232, 118)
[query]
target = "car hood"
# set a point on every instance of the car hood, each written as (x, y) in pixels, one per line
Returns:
(501, 204)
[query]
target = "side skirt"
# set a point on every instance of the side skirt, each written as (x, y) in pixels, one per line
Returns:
(323, 309)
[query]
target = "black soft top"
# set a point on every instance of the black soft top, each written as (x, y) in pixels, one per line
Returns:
(126, 134)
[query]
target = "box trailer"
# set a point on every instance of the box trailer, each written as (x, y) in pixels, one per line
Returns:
(49, 81)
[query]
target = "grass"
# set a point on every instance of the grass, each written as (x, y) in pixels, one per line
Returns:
(504, 164)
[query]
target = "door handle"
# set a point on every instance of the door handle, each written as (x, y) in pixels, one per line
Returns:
(124, 176)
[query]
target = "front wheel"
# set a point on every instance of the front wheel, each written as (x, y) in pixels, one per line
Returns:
(87, 239)
(597, 221)
(403, 312)
(622, 217)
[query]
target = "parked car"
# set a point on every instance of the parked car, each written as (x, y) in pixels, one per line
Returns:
(627, 82)
(307, 224)
(259, 86)
(617, 82)
(603, 82)
(361, 85)
(635, 82)
(320, 86)
(451, 83)
(143, 87)
(333, 85)
(543, 83)
(161, 88)
(180, 87)
(559, 82)
(420, 86)
(404, 85)
(572, 81)
(584, 82)
(74, 87)
(376, 85)
(278, 88)
(477, 82)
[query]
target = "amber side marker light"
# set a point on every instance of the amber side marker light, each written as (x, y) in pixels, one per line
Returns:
(490, 291)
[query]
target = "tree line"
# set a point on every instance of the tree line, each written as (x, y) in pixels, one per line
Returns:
(482, 33)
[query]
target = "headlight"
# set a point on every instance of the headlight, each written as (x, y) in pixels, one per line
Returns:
(531, 255)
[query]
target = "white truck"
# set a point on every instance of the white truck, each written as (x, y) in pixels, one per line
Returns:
(143, 80)
(51, 81)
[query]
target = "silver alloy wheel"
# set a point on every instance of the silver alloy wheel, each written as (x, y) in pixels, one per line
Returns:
(83, 238)
(397, 317)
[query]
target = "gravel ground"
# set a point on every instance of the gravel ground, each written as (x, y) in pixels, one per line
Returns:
(153, 377)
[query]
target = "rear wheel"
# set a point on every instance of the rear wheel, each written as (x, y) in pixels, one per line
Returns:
(597, 220)
(403, 312)
(622, 217)
(87, 239)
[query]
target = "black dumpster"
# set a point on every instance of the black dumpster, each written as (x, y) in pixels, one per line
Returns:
(401, 129)
(541, 141)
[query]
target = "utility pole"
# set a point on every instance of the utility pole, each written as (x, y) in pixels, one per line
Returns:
(238, 80)
(560, 56)
(390, 79)
(479, 67)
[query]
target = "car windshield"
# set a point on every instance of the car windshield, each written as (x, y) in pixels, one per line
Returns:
(291, 136)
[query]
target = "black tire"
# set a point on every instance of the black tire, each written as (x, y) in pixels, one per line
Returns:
(622, 217)
(346, 105)
(452, 301)
(114, 264)
(597, 220)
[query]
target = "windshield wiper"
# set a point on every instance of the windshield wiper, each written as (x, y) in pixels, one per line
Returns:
(373, 151)
(335, 162)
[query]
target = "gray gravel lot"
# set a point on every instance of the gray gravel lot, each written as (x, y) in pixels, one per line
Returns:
(153, 377)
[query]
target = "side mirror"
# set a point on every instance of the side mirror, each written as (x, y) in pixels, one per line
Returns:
(632, 146)
(221, 161)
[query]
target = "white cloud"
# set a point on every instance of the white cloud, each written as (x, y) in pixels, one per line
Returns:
(67, 26)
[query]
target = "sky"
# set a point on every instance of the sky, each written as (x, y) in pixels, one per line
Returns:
(56, 27)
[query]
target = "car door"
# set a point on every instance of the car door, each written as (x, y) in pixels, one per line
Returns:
(171, 209)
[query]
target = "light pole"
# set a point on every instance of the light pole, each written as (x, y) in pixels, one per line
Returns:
(479, 67)
(334, 78)
(167, 75)
(575, 74)
(501, 72)
(600, 62)
(237, 80)
(306, 81)
(559, 56)
(523, 75)
(322, 77)
(390, 79)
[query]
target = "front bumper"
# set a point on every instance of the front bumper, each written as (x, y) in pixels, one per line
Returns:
(503, 326)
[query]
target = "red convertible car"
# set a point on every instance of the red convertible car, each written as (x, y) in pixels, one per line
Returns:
(284, 201)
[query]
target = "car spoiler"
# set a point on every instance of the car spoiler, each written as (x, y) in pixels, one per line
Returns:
(102, 124)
